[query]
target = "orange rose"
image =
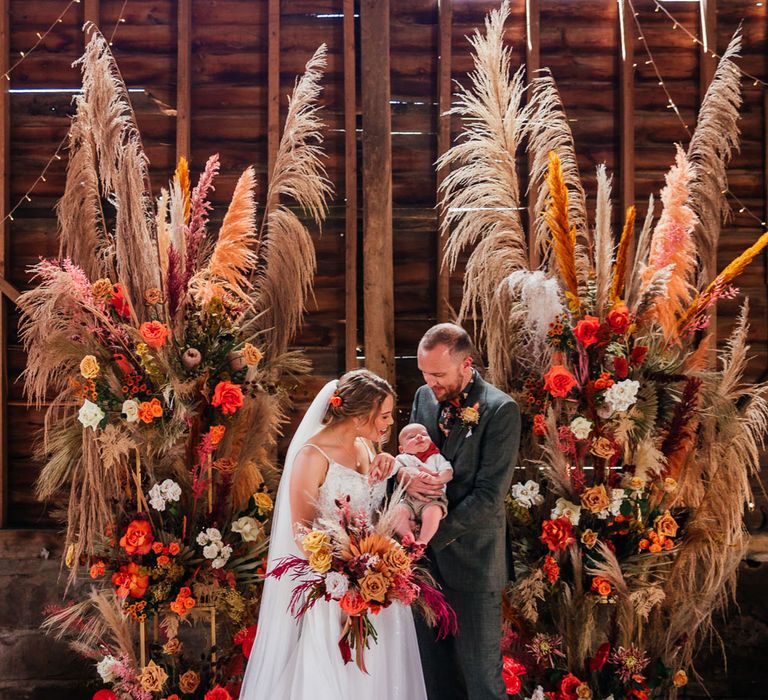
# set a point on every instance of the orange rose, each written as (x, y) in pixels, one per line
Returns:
(352, 603)
(154, 333)
(666, 525)
(188, 682)
(559, 381)
(604, 381)
(217, 434)
(228, 396)
(551, 569)
(618, 318)
(146, 413)
(680, 678)
(374, 587)
(601, 586)
(130, 581)
(163, 560)
(157, 547)
(138, 537)
(557, 534)
(98, 569)
(595, 499)
(587, 330)
(174, 549)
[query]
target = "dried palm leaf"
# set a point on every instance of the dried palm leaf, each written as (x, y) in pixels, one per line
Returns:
(635, 280)
(618, 284)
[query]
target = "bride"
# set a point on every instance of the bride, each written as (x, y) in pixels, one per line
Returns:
(331, 456)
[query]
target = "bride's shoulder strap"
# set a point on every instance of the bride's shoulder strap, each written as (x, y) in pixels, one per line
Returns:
(321, 451)
(368, 445)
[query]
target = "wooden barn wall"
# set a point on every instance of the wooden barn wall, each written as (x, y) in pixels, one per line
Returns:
(579, 40)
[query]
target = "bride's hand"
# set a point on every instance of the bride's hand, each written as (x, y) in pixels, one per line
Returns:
(381, 467)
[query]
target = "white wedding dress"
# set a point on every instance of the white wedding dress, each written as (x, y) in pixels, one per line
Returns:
(301, 660)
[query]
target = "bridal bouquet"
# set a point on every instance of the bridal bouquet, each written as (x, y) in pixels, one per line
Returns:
(160, 344)
(639, 438)
(361, 566)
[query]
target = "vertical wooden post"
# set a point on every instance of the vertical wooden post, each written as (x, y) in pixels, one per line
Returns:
(445, 9)
(5, 178)
(533, 64)
(184, 80)
(273, 83)
(627, 109)
(350, 187)
(91, 13)
(377, 189)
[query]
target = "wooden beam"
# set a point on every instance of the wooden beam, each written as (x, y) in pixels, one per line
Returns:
(533, 64)
(627, 112)
(184, 80)
(377, 188)
(273, 83)
(445, 9)
(5, 180)
(91, 13)
(350, 187)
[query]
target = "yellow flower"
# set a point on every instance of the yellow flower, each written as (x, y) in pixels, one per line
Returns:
(320, 560)
(589, 538)
(680, 678)
(264, 502)
(89, 367)
(153, 677)
(670, 484)
(315, 541)
(374, 587)
(584, 692)
(636, 483)
(153, 296)
(173, 647)
(596, 498)
(188, 682)
(397, 560)
(252, 355)
(666, 525)
(102, 289)
(470, 415)
(69, 557)
(602, 448)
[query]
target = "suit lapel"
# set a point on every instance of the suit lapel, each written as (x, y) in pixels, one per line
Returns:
(429, 410)
(459, 432)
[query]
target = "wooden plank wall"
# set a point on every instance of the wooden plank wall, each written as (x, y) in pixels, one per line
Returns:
(224, 99)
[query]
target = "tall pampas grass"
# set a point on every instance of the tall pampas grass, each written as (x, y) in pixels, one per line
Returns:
(619, 281)
(288, 261)
(603, 242)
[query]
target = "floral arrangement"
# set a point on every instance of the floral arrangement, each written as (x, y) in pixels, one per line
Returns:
(363, 567)
(162, 347)
(639, 439)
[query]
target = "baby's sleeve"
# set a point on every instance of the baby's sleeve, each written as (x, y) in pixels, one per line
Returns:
(441, 463)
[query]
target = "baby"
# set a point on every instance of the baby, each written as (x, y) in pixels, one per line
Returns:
(419, 457)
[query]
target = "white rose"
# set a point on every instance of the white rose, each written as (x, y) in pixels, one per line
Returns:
(170, 490)
(581, 427)
(527, 494)
(90, 415)
(248, 528)
(617, 497)
(622, 395)
(566, 509)
(211, 551)
(224, 553)
(538, 694)
(336, 584)
(202, 539)
(130, 410)
(105, 668)
(156, 499)
(213, 534)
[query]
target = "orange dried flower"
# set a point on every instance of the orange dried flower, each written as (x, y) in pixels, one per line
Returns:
(154, 333)
(228, 397)
(217, 434)
(138, 537)
(98, 569)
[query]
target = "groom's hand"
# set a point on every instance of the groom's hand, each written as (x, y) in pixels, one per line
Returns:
(423, 485)
(381, 467)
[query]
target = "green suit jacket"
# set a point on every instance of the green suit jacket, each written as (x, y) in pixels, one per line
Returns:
(470, 550)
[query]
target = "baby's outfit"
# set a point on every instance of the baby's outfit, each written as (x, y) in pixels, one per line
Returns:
(435, 463)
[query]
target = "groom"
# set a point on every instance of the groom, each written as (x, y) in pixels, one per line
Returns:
(469, 553)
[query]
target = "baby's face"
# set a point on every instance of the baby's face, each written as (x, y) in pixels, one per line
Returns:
(415, 440)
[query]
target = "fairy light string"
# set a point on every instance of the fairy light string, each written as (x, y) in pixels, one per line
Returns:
(671, 104)
(26, 197)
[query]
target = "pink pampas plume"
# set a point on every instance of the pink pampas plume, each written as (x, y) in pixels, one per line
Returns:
(200, 206)
(672, 244)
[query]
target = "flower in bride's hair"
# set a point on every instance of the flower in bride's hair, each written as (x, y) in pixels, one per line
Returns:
(314, 541)
(336, 401)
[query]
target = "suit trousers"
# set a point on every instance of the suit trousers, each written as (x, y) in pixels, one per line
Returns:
(467, 666)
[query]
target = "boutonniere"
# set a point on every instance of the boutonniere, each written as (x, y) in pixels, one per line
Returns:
(470, 417)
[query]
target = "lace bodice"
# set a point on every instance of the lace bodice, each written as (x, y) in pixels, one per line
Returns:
(341, 481)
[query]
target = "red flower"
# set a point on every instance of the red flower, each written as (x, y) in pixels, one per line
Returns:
(557, 534)
(228, 396)
(245, 638)
(550, 568)
(637, 694)
(218, 693)
(511, 672)
(618, 318)
(119, 302)
(637, 356)
(104, 694)
(130, 581)
(604, 381)
(539, 425)
(568, 687)
(621, 367)
(138, 538)
(154, 334)
(587, 330)
(600, 657)
(559, 381)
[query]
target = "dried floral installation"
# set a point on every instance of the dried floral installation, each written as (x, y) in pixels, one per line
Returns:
(638, 446)
(161, 348)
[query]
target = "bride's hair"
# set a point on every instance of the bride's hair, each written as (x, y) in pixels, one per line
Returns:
(359, 393)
